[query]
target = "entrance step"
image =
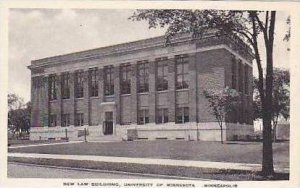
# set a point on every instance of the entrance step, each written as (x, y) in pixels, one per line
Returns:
(103, 138)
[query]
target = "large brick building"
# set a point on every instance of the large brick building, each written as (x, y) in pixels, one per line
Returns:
(142, 90)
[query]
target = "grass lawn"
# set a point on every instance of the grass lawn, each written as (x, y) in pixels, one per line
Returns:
(243, 152)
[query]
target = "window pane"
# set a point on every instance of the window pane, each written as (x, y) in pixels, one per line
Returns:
(126, 79)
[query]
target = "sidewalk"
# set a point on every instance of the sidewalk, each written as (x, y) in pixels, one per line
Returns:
(146, 161)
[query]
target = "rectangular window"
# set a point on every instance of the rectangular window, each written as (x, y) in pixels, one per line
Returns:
(233, 71)
(162, 74)
(125, 78)
(79, 119)
(52, 121)
(65, 120)
(246, 77)
(52, 87)
(108, 80)
(182, 115)
(182, 72)
(143, 76)
(79, 83)
(162, 115)
(65, 87)
(93, 82)
(143, 117)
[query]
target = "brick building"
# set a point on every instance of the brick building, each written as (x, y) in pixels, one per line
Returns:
(142, 90)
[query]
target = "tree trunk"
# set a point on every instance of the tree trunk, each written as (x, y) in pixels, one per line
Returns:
(274, 132)
(267, 162)
(221, 134)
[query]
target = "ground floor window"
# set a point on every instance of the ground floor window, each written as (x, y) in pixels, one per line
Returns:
(143, 117)
(182, 114)
(79, 119)
(65, 120)
(52, 121)
(162, 115)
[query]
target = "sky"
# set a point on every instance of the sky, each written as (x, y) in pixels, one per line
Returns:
(40, 33)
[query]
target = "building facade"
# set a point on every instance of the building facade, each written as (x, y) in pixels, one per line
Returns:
(142, 90)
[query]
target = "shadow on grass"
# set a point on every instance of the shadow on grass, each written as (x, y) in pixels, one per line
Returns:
(251, 175)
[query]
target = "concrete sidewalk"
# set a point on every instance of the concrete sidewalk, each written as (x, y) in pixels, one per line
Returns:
(150, 161)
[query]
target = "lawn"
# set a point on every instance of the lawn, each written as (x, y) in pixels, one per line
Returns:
(240, 152)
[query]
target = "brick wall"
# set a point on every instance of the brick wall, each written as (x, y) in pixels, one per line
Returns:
(207, 70)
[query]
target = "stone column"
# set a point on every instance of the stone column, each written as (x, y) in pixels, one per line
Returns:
(86, 97)
(250, 97)
(72, 97)
(43, 101)
(59, 100)
(243, 93)
(152, 91)
(101, 84)
(117, 94)
(192, 88)
(134, 101)
(172, 89)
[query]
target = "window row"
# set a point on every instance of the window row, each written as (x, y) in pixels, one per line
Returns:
(65, 120)
(240, 76)
(162, 116)
(162, 73)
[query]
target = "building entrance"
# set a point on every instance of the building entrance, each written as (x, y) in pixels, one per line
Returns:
(108, 124)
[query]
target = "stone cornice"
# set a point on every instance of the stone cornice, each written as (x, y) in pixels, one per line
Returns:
(146, 44)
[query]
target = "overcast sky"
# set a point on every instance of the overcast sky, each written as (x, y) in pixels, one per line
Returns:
(39, 33)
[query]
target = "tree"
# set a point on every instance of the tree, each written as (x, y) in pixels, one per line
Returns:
(248, 25)
(281, 98)
(18, 115)
(221, 103)
(14, 101)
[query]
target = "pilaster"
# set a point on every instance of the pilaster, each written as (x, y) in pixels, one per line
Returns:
(86, 97)
(117, 94)
(172, 89)
(134, 101)
(192, 88)
(152, 91)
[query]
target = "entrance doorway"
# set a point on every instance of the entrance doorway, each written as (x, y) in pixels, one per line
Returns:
(108, 124)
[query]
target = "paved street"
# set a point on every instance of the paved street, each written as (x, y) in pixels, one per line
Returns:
(28, 171)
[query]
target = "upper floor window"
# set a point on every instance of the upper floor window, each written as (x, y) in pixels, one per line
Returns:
(162, 115)
(93, 82)
(125, 78)
(79, 119)
(143, 116)
(52, 120)
(233, 73)
(182, 114)
(79, 83)
(162, 74)
(108, 80)
(52, 87)
(143, 76)
(182, 72)
(65, 86)
(65, 120)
